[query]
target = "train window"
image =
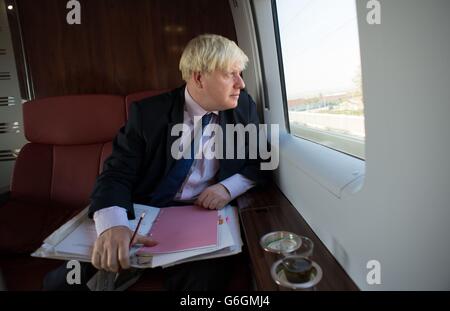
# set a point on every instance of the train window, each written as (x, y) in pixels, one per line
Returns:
(319, 46)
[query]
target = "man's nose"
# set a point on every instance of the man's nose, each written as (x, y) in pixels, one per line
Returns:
(239, 84)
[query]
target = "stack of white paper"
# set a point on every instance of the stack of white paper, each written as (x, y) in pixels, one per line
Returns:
(75, 239)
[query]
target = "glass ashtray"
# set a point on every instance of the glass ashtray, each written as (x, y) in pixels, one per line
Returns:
(278, 273)
(280, 242)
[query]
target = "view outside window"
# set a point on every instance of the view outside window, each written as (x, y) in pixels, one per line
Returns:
(322, 68)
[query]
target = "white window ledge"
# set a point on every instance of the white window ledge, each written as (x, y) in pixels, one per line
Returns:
(337, 172)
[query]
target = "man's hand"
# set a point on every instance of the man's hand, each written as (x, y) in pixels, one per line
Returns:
(214, 197)
(111, 249)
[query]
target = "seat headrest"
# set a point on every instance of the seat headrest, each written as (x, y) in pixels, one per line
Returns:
(74, 119)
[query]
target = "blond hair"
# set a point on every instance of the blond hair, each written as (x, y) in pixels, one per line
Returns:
(208, 52)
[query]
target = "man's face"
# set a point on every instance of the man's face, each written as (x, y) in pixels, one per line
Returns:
(221, 88)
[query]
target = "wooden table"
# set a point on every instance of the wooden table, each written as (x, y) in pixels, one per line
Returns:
(264, 211)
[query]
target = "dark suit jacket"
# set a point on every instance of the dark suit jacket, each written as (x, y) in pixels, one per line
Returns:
(141, 151)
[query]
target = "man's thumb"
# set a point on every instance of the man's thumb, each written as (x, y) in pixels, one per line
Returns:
(141, 239)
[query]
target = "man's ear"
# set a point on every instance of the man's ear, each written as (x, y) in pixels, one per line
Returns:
(198, 79)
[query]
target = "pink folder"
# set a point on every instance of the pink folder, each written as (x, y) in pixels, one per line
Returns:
(182, 228)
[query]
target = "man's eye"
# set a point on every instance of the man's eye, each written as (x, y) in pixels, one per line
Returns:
(232, 75)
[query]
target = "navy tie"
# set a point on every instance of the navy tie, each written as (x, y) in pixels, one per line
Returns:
(169, 186)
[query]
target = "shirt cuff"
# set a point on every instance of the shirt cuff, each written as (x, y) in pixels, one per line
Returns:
(237, 185)
(109, 217)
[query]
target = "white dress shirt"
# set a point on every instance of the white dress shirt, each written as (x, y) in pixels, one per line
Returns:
(201, 175)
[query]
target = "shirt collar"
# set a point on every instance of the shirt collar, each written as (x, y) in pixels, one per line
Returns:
(193, 108)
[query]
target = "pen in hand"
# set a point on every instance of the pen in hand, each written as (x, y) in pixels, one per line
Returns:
(136, 230)
(131, 241)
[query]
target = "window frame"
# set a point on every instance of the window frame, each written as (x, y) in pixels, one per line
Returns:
(350, 146)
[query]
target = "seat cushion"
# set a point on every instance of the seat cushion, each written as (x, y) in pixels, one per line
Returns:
(32, 174)
(75, 169)
(64, 175)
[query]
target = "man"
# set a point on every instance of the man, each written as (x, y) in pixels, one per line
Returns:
(142, 167)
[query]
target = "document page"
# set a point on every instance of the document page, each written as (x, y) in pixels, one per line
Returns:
(81, 241)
